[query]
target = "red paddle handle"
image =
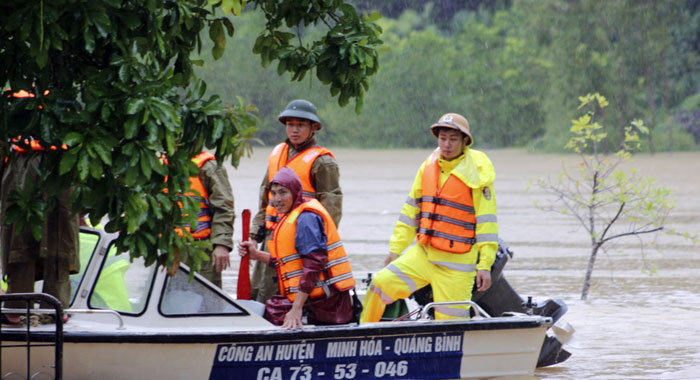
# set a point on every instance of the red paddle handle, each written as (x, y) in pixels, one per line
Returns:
(243, 288)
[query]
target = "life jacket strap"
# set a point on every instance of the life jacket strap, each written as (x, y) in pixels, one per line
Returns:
(429, 232)
(308, 194)
(442, 218)
(443, 201)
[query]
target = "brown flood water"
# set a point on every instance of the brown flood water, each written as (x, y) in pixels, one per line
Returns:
(634, 325)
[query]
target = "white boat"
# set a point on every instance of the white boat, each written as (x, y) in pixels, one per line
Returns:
(128, 321)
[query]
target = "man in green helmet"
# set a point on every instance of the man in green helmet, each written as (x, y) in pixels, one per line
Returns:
(316, 167)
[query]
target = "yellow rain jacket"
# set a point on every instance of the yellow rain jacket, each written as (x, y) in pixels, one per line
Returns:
(451, 273)
(477, 172)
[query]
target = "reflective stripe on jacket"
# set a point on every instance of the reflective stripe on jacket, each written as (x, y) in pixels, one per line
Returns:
(290, 264)
(447, 220)
(200, 193)
(301, 164)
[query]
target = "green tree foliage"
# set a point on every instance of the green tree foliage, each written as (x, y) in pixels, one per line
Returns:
(514, 70)
(625, 49)
(412, 90)
(343, 58)
(113, 81)
(484, 71)
(272, 87)
(609, 203)
(240, 73)
(443, 9)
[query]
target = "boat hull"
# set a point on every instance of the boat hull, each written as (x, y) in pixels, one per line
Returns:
(497, 347)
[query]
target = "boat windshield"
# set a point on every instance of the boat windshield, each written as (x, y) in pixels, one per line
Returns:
(122, 286)
(88, 243)
(182, 297)
(125, 287)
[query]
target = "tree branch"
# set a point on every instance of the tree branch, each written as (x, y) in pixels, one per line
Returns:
(619, 211)
(574, 213)
(591, 206)
(334, 16)
(632, 233)
(321, 16)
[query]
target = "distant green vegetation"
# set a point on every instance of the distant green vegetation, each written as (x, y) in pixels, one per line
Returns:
(514, 69)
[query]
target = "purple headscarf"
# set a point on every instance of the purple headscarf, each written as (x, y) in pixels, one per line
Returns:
(288, 178)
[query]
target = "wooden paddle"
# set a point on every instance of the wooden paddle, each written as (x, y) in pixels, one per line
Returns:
(243, 288)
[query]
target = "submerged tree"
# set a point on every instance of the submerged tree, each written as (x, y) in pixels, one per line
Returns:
(112, 82)
(609, 202)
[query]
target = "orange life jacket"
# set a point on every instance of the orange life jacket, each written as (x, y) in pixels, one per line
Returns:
(301, 164)
(199, 192)
(20, 145)
(23, 93)
(290, 265)
(31, 143)
(447, 217)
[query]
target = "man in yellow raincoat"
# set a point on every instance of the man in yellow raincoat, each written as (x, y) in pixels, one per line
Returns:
(451, 213)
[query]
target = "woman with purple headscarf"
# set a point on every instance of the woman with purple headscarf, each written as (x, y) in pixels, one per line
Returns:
(313, 272)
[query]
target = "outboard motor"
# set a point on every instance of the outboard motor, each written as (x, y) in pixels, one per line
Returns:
(501, 299)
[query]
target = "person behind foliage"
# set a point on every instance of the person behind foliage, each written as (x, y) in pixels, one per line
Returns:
(217, 214)
(52, 257)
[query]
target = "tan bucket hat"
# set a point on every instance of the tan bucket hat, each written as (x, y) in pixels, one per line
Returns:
(453, 121)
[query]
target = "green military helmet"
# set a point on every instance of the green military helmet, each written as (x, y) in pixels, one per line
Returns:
(302, 109)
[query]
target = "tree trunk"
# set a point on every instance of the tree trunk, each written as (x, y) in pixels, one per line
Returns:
(652, 106)
(622, 108)
(666, 96)
(594, 242)
(589, 271)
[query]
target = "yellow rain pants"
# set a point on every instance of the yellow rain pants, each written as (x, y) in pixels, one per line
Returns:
(412, 271)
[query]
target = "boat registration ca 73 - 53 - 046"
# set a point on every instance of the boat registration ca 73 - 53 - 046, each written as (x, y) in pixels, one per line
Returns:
(413, 356)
